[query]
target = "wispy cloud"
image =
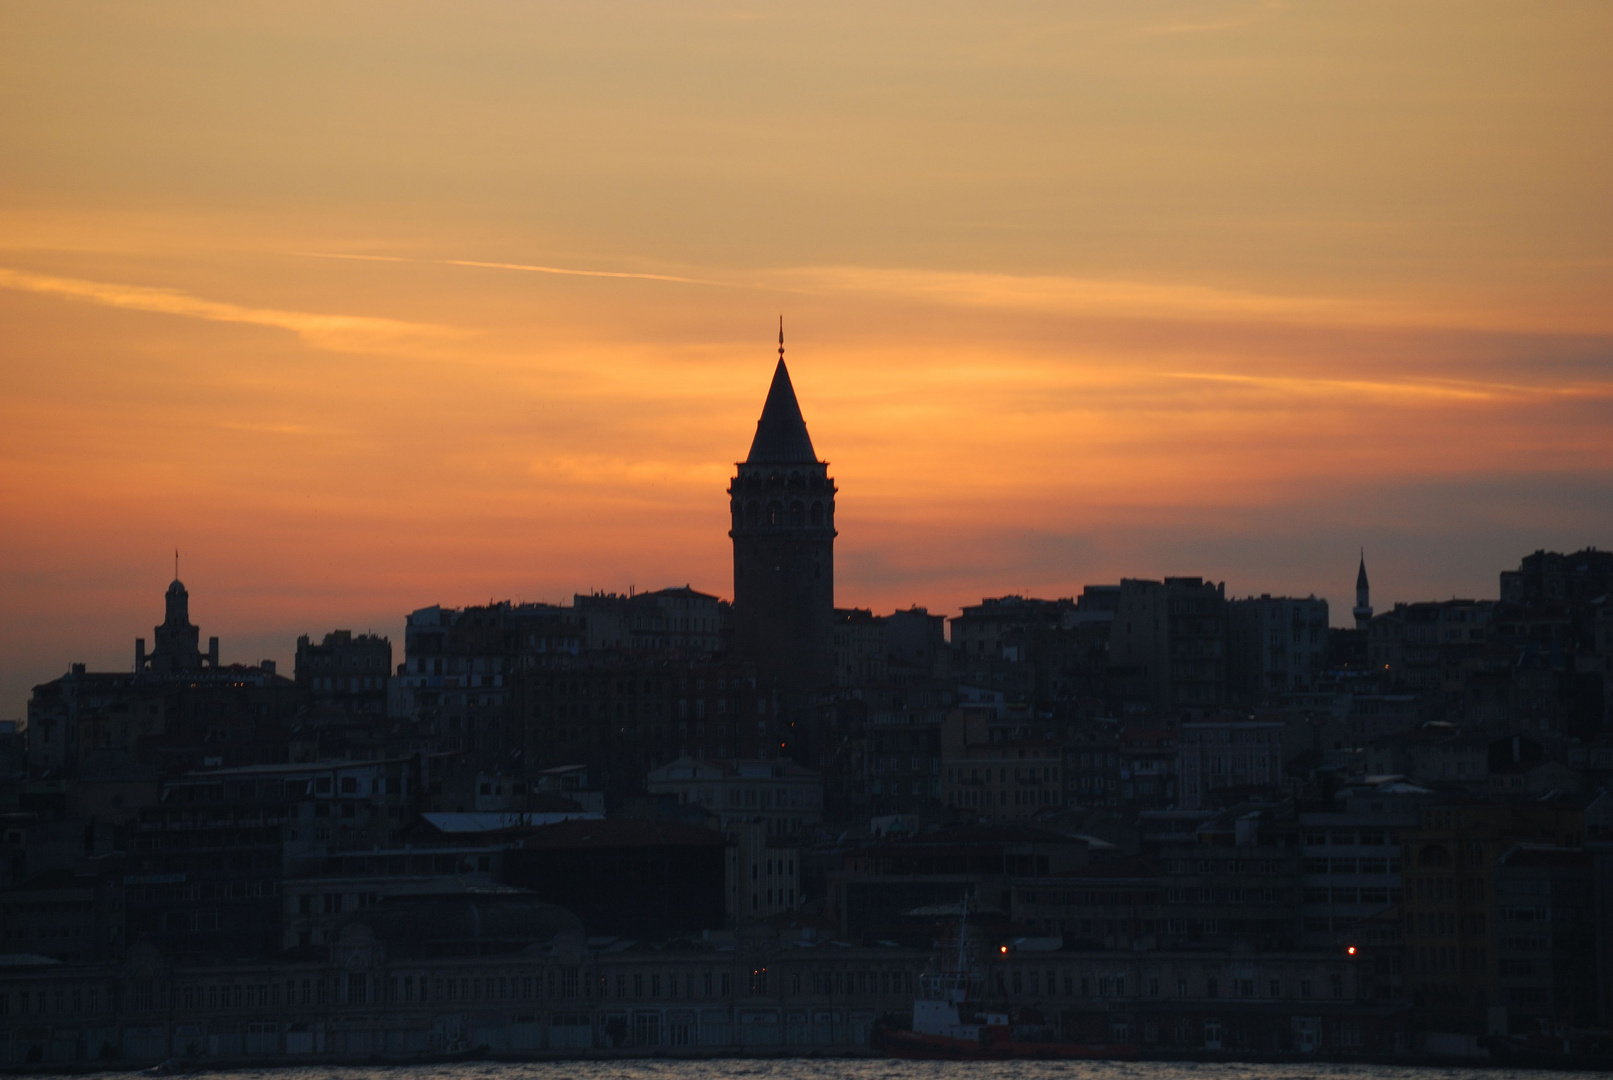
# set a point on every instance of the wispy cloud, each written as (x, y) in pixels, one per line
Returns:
(1428, 389)
(340, 332)
(1087, 296)
(1057, 294)
(587, 273)
(530, 268)
(1050, 293)
(1120, 298)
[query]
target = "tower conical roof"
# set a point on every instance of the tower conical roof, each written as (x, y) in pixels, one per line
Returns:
(781, 433)
(1361, 574)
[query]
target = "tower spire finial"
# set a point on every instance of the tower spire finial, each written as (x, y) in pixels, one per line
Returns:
(781, 339)
(176, 563)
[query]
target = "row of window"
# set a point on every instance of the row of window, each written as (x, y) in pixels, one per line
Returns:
(1090, 898)
(651, 710)
(1228, 895)
(40, 1002)
(1352, 896)
(1431, 958)
(1227, 866)
(54, 907)
(796, 515)
(1447, 890)
(700, 626)
(1345, 839)
(1198, 929)
(1017, 797)
(1237, 765)
(1192, 735)
(43, 932)
(556, 983)
(1064, 983)
(1352, 866)
(349, 683)
(1027, 775)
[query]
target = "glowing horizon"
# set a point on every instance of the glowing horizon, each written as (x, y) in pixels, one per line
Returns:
(366, 313)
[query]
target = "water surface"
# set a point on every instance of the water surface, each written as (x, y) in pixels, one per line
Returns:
(878, 1069)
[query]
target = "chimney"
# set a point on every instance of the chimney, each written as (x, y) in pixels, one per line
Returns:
(212, 652)
(139, 654)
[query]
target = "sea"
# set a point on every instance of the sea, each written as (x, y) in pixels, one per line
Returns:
(878, 1069)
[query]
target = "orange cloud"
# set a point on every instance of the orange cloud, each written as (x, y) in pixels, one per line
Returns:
(340, 332)
(1070, 292)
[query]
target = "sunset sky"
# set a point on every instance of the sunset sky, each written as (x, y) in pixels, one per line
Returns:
(372, 306)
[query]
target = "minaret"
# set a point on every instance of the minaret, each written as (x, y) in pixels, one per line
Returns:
(782, 503)
(1363, 601)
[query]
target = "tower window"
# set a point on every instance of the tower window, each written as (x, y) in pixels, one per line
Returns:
(817, 514)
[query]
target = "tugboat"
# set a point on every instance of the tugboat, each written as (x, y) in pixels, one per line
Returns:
(949, 1023)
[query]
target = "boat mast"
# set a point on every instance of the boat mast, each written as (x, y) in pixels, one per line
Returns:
(963, 935)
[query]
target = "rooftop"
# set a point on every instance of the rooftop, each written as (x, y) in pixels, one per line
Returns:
(781, 433)
(600, 833)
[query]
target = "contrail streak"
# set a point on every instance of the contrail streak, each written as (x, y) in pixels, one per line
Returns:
(529, 268)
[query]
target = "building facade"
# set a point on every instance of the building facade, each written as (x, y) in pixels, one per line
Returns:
(1173, 634)
(344, 673)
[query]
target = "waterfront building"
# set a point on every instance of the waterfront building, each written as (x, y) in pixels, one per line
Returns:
(1232, 880)
(874, 885)
(1546, 939)
(508, 975)
(1449, 861)
(1350, 872)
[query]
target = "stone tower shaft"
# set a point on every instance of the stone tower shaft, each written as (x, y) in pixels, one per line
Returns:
(781, 507)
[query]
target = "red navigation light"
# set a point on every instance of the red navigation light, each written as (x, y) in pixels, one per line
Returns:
(1349, 950)
(1004, 950)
